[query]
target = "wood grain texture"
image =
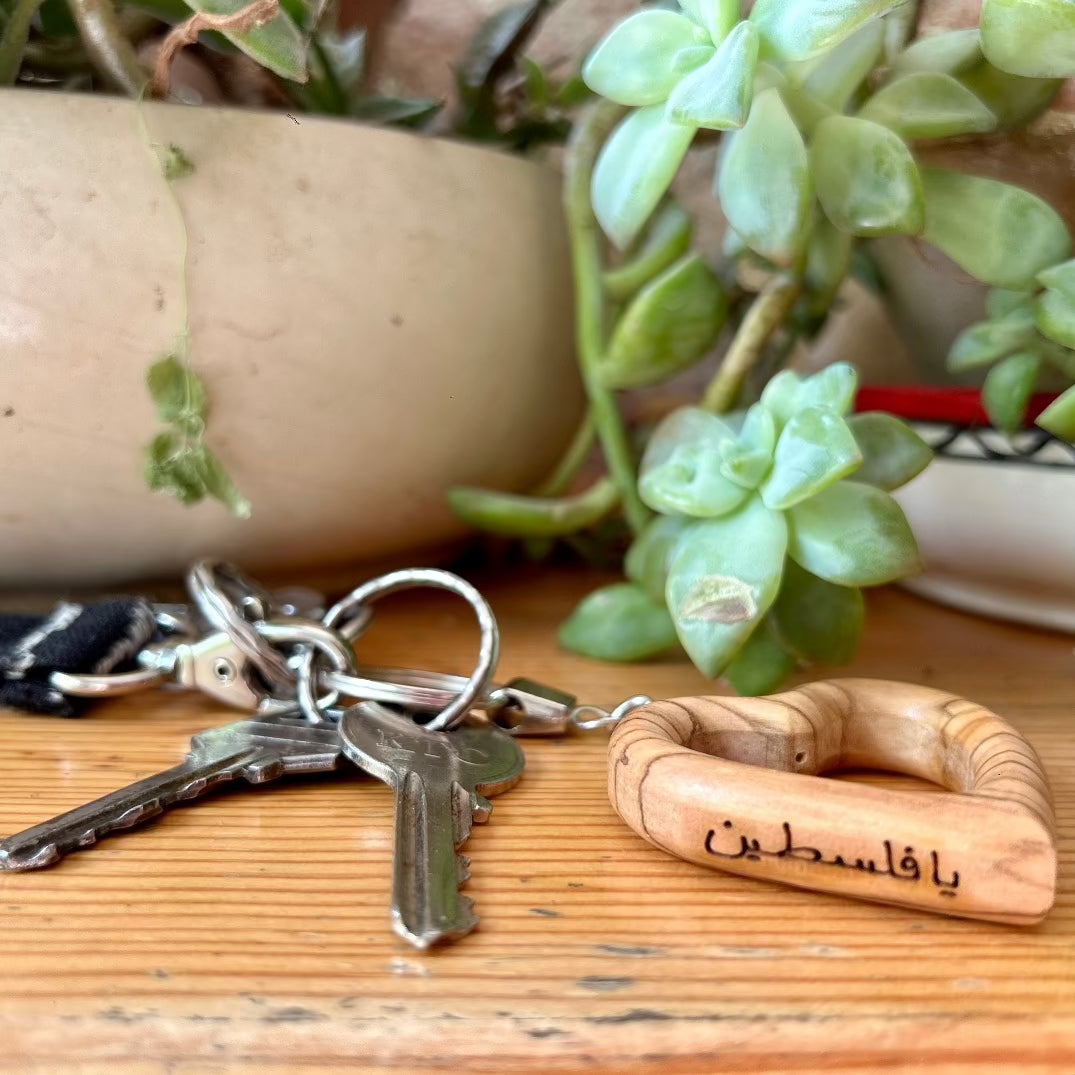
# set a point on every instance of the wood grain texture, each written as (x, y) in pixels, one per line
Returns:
(250, 933)
(733, 784)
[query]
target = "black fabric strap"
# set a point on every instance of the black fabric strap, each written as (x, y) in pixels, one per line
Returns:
(96, 638)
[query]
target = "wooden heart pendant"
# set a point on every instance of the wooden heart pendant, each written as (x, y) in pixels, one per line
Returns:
(732, 783)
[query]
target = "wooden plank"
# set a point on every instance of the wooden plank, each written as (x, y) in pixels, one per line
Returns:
(250, 933)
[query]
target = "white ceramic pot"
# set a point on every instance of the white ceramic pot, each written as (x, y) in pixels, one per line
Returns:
(994, 519)
(377, 315)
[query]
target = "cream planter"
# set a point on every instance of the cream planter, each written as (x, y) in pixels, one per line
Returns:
(377, 316)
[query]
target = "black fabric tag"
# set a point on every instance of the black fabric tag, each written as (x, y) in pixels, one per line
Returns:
(89, 639)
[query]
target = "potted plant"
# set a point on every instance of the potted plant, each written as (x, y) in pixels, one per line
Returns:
(757, 513)
(337, 314)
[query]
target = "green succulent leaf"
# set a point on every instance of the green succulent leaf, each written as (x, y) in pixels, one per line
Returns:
(179, 394)
(853, 535)
(670, 324)
(189, 471)
(1001, 234)
(719, 17)
(634, 169)
(1007, 390)
(985, 342)
(666, 239)
(1055, 317)
(748, 458)
(799, 30)
(833, 387)
(828, 261)
(1000, 303)
(892, 452)
(1059, 417)
(633, 64)
(818, 621)
(724, 575)
(532, 516)
(927, 104)
(761, 665)
(618, 623)
(690, 59)
(218, 484)
(951, 53)
(835, 80)
(866, 179)
(815, 449)
(647, 560)
(681, 469)
(763, 181)
(1014, 100)
(717, 96)
(278, 45)
(1035, 38)
(1059, 278)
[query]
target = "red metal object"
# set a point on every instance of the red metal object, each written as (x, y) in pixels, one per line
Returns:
(946, 406)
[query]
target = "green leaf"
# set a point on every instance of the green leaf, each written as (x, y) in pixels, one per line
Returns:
(815, 450)
(764, 181)
(634, 169)
(278, 44)
(1001, 234)
(1000, 303)
(1007, 390)
(834, 81)
(632, 65)
(345, 55)
(892, 452)
(396, 111)
(1059, 417)
(1035, 38)
(170, 468)
(670, 324)
(761, 665)
(667, 238)
(511, 515)
(719, 17)
(680, 472)
(927, 104)
(818, 621)
(1055, 317)
(833, 387)
(718, 95)
(724, 575)
(1014, 100)
(618, 623)
(176, 164)
(177, 391)
(690, 59)
(828, 261)
(1059, 278)
(866, 179)
(853, 535)
(985, 342)
(950, 53)
(646, 562)
(748, 458)
(218, 484)
(799, 30)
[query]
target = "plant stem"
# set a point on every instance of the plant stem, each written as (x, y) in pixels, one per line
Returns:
(13, 41)
(559, 481)
(766, 313)
(106, 45)
(594, 125)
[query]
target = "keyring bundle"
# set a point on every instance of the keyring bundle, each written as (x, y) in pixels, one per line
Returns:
(727, 783)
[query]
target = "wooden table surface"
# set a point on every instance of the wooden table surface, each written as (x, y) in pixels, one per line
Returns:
(251, 932)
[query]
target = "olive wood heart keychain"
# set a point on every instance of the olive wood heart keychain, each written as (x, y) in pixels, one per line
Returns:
(732, 783)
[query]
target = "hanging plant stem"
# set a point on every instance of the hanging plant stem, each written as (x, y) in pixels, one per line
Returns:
(107, 46)
(594, 125)
(559, 481)
(14, 38)
(764, 317)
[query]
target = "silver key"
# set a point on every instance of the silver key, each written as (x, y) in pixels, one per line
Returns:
(441, 780)
(253, 750)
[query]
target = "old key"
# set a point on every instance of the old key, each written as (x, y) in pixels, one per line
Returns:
(253, 750)
(440, 780)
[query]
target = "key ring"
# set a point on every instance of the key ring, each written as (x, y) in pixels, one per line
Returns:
(344, 614)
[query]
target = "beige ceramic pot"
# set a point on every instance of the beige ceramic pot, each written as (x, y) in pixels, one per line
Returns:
(378, 316)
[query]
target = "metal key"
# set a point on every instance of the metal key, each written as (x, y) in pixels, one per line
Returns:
(440, 780)
(253, 750)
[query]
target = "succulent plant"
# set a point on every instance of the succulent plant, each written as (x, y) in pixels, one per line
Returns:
(771, 499)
